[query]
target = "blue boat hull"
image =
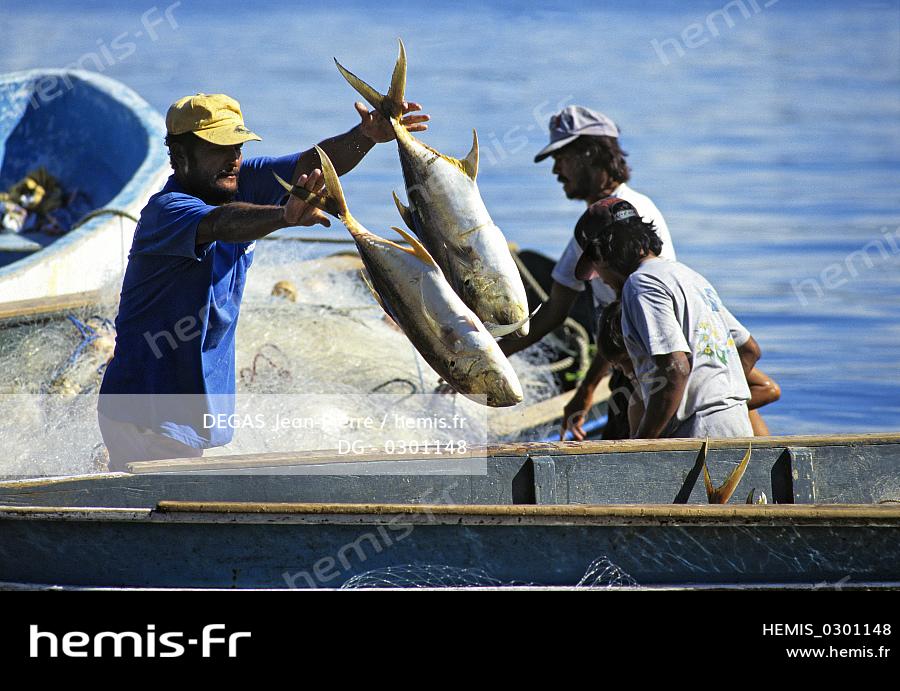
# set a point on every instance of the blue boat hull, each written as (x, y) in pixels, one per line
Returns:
(537, 514)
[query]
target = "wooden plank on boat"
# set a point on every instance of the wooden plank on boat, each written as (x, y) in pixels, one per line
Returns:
(586, 448)
(786, 473)
(497, 485)
(626, 514)
(631, 445)
(28, 310)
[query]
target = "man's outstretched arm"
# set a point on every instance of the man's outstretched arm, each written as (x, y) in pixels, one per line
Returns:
(347, 150)
(550, 316)
(242, 222)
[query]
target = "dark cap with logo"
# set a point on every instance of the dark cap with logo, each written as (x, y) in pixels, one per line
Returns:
(599, 215)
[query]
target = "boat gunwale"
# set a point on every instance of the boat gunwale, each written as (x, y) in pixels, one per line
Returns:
(650, 587)
(523, 449)
(610, 515)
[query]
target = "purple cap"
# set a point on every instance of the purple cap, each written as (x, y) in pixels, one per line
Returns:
(572, 122)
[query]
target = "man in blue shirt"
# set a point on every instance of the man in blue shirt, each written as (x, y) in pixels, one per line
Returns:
(169, 389)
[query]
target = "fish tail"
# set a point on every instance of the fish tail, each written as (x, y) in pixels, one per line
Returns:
(398, 81)
(391, 104)
(333, 190)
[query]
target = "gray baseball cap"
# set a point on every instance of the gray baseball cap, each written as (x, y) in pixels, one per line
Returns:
(572, 122)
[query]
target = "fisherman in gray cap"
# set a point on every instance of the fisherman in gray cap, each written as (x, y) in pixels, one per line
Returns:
(590, 165)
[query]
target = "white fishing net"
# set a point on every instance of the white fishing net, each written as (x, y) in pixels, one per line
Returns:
(600, 574)
(321, 332)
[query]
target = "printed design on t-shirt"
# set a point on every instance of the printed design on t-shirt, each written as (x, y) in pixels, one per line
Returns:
(713, 340)
(711, 299)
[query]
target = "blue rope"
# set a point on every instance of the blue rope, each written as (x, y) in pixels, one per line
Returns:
(88, 335)
(590, 427)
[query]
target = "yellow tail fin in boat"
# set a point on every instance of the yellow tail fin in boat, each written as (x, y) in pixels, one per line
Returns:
(722, 494)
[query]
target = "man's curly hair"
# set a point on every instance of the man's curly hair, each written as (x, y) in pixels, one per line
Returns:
(187, 140)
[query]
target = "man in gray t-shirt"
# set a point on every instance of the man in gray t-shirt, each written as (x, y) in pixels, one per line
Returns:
(670, 308)
(590, 164)
(690, 355)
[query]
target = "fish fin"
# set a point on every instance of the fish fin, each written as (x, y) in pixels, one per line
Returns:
(470, 162)
(722, 494)
(405, 213)
(499, 330)
(418, 248)
(707, 481)
(284, 183)
(432, 322)
(311, 198)
(750, 496)
(363, 274)
(730, 485)
(333, 186)
(398, 79)
(380, 102)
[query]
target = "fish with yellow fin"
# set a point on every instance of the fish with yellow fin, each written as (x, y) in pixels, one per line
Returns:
(721, 494)
(411, 288)
(448, 215)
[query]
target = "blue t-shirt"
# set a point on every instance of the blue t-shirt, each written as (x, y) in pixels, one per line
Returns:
(178, 314)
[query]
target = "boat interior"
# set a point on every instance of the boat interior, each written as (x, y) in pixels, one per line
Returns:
(95, 153)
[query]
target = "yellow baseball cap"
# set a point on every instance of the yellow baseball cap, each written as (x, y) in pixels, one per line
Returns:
(217, 118)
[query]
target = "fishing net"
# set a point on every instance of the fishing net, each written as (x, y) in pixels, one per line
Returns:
(308, 326)
(601, 574)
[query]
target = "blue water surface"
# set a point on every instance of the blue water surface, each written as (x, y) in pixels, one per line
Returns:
(768, 133)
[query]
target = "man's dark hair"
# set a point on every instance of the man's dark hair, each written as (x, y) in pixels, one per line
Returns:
(621, 244)
(187, 140)
(604, 152)
(610, 341)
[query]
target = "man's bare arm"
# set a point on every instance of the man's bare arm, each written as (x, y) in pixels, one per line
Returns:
(635, 411)
(551, 315)
(583, 398)
(347, 150)
(670, 379)
(763, 389)
(749, 353)
(241, 222)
